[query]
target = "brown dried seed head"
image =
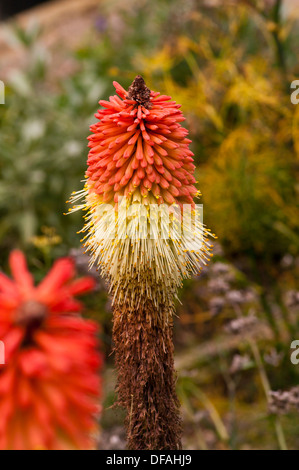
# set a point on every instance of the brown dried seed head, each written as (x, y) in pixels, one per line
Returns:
(139, 92)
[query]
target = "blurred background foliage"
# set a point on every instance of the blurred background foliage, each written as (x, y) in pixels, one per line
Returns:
(230, 65)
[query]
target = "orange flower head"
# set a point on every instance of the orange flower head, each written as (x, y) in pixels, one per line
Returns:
(49, 384)
(139, 145)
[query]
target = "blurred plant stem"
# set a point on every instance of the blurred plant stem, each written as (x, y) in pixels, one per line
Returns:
(264, 381)
(209, 406)
(259, 276)
(231, 388)
(275, 29)
(267, 388)
(276, 34)
(190, 413)
(265, 279)
(196, 392)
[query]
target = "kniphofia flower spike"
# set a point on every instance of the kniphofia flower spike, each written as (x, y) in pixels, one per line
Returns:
(139, 197)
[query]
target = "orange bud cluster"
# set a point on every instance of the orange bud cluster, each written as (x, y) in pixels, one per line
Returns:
(140, 143)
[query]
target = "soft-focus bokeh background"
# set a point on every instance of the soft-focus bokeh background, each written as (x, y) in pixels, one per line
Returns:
(230, 64)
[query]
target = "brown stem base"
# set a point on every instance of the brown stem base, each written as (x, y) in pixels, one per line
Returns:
(146, 379)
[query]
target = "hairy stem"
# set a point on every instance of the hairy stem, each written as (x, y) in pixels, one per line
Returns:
(146, 378)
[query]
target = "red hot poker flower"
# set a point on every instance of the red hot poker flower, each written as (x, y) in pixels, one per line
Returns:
(49, 384)
(139, 202)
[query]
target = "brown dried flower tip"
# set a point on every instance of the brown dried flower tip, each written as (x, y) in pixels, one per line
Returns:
(139, 92)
